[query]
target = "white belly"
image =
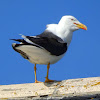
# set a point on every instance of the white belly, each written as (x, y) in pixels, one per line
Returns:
(39, 56)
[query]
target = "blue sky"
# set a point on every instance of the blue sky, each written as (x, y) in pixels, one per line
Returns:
(29, 17)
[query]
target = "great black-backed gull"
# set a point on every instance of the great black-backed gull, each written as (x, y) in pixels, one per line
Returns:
(50, 46)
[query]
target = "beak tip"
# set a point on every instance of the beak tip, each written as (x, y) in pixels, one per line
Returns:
(84, 28)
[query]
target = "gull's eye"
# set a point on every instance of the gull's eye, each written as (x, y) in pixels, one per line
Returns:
(72, 19)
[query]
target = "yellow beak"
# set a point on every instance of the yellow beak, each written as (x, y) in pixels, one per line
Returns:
(82, 26)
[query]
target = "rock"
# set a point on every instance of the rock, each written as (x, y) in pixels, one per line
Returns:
(72, 89)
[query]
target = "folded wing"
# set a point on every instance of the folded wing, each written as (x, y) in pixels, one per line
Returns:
(49, 42)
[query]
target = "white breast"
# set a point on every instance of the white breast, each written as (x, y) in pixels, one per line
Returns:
(39, 56)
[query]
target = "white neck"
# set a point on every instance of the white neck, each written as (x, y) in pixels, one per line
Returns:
(64, 33)
(61, 30)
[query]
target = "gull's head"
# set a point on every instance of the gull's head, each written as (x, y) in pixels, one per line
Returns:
(72, 23)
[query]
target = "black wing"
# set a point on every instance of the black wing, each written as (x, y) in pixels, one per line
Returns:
(50, 42)
(46, 40)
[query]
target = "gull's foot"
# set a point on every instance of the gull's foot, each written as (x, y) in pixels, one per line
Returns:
(37, 81)
(48, 80)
